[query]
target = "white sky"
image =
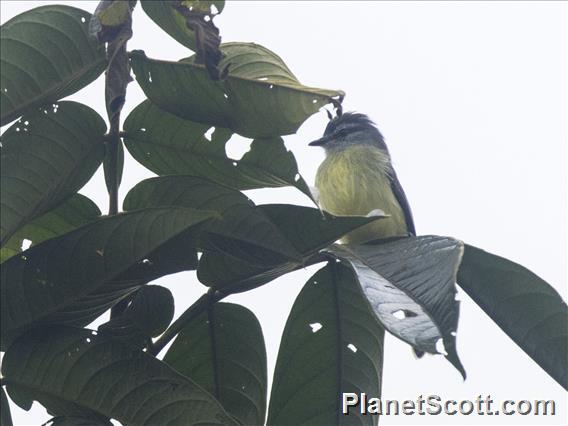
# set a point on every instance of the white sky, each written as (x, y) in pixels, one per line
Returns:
(472, 100)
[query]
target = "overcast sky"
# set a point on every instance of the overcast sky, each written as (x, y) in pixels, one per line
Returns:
(472, 100)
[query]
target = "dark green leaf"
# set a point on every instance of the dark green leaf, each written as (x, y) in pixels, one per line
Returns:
(75, 372)
(46, 157)
(260, 98)
(46, 54)
(148, 315)
(167, 144)
(526, 307)
(308, 230)
(5, 415)
(242, 230)
(76, 211)
(331, 345)
(223, 351)
(69, 279)
(174, 23)
(410, 285)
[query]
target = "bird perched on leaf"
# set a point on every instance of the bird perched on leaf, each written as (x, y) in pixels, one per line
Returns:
(357, 177)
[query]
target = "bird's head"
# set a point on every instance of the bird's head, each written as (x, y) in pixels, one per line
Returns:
(348, 130)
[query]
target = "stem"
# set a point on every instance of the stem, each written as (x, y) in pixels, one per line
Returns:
(200, 306)
(112, 145)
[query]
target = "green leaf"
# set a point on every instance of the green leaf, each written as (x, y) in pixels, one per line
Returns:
(523, 305)
(308, 230)
(173, 22)
(75, 372)
(46, 54)
(5, 415)
(167, 145)
(148, 315)
(223, 351)
(76, 211)
(242, 229)
(260, 97)
(69, 279)
(410, 285)
(46, 157)
(331, 345)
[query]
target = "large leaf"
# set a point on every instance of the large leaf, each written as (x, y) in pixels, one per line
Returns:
(223, 351)
(75, 372)
(331, 345)
(46, 54)
(410, 285)
(45, 158)
(62, 280)
(526, 307)
(173, 22)
(260, 97)
(148, 315)
(77, 421)
(309, 230)
(167, 145)
(76, 211)
(242, 229)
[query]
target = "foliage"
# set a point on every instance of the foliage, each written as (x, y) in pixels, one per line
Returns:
(64, 263)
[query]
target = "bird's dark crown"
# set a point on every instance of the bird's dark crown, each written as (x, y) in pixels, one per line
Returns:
(349, 129)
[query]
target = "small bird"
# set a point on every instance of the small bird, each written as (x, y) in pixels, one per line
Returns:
(357, 177)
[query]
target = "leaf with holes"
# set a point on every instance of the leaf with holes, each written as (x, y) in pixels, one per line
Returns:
(46, 54)
(522, 304)
(75, 372)
(69, 279)
(76, 211)
(167, 145)
(223, 351)
(331, 345)
(259, 98)
(45, 158)
(147, 316)
(410, 285)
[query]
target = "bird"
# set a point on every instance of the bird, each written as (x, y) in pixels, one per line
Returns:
(357, 177)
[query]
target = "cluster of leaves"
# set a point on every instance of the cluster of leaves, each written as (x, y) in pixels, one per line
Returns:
(80, 263)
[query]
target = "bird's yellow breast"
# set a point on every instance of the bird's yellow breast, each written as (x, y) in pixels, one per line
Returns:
(354, 181)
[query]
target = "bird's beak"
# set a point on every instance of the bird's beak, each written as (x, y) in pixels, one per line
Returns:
(321, 141)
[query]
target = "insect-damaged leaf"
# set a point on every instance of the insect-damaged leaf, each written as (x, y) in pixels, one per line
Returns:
(410, 284)
(331, 345)
(167, 145)
(76, 211)
(223, 351)
(259, 98)
(46, 157)
(75, 372)
(528, 309)
(46, 54)
(73, 278)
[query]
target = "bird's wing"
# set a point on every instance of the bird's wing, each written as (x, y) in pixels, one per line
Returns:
(402, 201)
